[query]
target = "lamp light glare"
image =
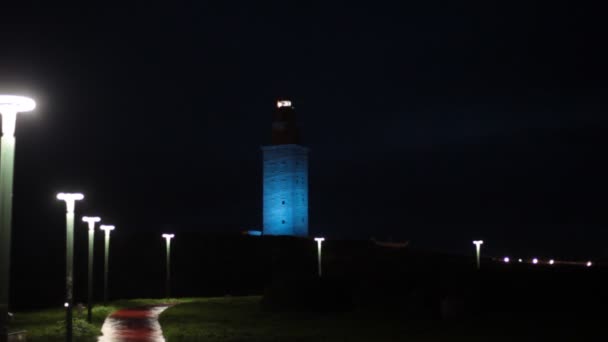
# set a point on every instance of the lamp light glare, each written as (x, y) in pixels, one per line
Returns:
(535, 261)
(506, 260)
(478, 242)
(551, 262)
(168, 236)
(589, 263)
(319, 239)
(520, 260)
(66, 304)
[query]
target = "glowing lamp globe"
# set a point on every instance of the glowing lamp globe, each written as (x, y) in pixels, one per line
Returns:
(551, 262)
(91, 220)
(16, 104)
(10, 105)
(506, 260)
(589, 264)
(107, 228)
(535, 261)
(70, 199)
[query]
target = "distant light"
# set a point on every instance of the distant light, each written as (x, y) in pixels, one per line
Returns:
(66, 304)
(168, 236)
(589, 263)
(283, 103)
(535, 261)
(506, 260)
(107, 228)
(551, 262)
(520, 260)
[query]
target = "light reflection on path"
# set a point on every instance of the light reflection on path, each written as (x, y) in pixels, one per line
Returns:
(135, 324)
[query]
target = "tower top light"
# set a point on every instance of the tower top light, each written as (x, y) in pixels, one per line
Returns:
(283, 103)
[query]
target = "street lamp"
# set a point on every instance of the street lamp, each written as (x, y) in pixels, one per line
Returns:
(168, 238)
(319, 242)
(506, 260)
(9, 107)
(91, 222)
(70, 203)
(478, 244)
(106, 258)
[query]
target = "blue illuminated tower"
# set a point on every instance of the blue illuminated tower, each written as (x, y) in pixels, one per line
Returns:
(285, 177)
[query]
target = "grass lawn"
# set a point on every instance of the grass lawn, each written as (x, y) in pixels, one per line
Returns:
(49, 324)
(241, 319)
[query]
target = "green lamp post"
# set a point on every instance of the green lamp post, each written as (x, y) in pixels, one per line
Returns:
(70, 202)
(319, 242)
(168, 238)
(10, 105)
(91, 223)
(106, 261)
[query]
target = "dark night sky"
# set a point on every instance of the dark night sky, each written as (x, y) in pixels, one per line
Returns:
(431, 121)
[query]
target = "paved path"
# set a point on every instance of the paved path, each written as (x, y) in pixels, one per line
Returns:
(133, 325)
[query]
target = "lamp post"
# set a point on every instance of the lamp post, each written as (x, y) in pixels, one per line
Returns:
(319, 242)
(10, 105)
(168, 238)
(478, 244)
(106, 259)
(70, 202)
(91, 223)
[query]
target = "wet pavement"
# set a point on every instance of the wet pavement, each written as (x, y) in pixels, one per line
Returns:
(133, 325)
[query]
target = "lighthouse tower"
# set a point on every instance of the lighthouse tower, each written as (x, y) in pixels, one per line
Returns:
(285, 177)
